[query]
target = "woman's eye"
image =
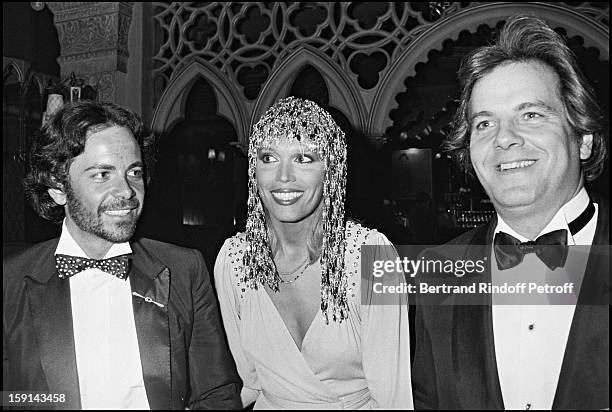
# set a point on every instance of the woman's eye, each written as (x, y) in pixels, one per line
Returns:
(267, 158)
(303, 158)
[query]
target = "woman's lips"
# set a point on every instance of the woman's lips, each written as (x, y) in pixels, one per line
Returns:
(286, 197)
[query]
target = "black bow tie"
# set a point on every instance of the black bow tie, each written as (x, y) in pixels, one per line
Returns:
(67, 265)
(551, 247)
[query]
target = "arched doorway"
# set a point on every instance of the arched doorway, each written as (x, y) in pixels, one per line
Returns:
(193, 199)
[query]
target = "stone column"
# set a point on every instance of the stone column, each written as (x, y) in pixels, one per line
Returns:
(94, 44)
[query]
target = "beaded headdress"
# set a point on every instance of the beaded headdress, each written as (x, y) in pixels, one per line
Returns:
(302, 120)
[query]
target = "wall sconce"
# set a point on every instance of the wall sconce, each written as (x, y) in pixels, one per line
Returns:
(213, 154)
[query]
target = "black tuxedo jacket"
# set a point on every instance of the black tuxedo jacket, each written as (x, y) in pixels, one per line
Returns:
(455, 366)
(184, 356)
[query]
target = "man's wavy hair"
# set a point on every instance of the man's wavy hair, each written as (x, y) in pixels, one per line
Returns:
(526, 39)
(62, 139)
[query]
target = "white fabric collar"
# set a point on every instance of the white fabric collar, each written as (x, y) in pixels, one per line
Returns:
(568, 212)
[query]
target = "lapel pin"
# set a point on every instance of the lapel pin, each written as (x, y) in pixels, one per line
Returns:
(148, 299)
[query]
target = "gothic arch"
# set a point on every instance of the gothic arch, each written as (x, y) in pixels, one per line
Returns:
(34, 79)
(343, 93)
(575, 23)
(12, 67)
(171, 107)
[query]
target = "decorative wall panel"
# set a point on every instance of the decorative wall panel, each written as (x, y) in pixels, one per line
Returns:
(374, 46)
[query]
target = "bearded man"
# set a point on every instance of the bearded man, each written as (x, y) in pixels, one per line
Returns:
(95, 319)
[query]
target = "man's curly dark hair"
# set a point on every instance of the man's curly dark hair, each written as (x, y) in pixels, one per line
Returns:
(526, 39)
(62, 139)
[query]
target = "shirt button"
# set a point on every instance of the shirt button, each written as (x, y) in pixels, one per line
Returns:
(531, 327)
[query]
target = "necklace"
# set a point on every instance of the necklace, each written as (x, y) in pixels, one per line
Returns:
(304, 265)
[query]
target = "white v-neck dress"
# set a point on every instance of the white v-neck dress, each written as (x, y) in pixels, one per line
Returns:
(361, 363)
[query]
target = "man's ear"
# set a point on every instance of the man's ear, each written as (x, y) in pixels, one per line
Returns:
(57, 193)
(586, 146)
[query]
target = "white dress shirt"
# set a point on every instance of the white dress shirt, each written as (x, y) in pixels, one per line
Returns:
(106, 345)
(530, 340)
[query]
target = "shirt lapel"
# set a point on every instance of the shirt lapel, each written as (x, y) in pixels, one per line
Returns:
(150, 279)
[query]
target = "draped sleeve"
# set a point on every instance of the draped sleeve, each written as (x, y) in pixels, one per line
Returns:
(230, 292)
(385, 329)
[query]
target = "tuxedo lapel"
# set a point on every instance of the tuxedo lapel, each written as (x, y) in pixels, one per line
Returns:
(474, 362)
(595, 289)
(583, 381)
(151, 279)
(49, 301)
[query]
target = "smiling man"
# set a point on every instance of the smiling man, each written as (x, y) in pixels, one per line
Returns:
(521, 144)
(531, 131)
(102, 320)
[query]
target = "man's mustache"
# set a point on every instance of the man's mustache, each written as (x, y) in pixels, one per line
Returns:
(125, 204)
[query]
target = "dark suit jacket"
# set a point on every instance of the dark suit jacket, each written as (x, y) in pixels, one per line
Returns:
(455, 365)
(184, 355)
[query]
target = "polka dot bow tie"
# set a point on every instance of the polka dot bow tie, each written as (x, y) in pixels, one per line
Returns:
(71, 265)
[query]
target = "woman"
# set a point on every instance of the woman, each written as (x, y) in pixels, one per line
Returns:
(301, 325)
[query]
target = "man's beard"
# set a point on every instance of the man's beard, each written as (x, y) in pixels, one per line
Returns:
(92, 223)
